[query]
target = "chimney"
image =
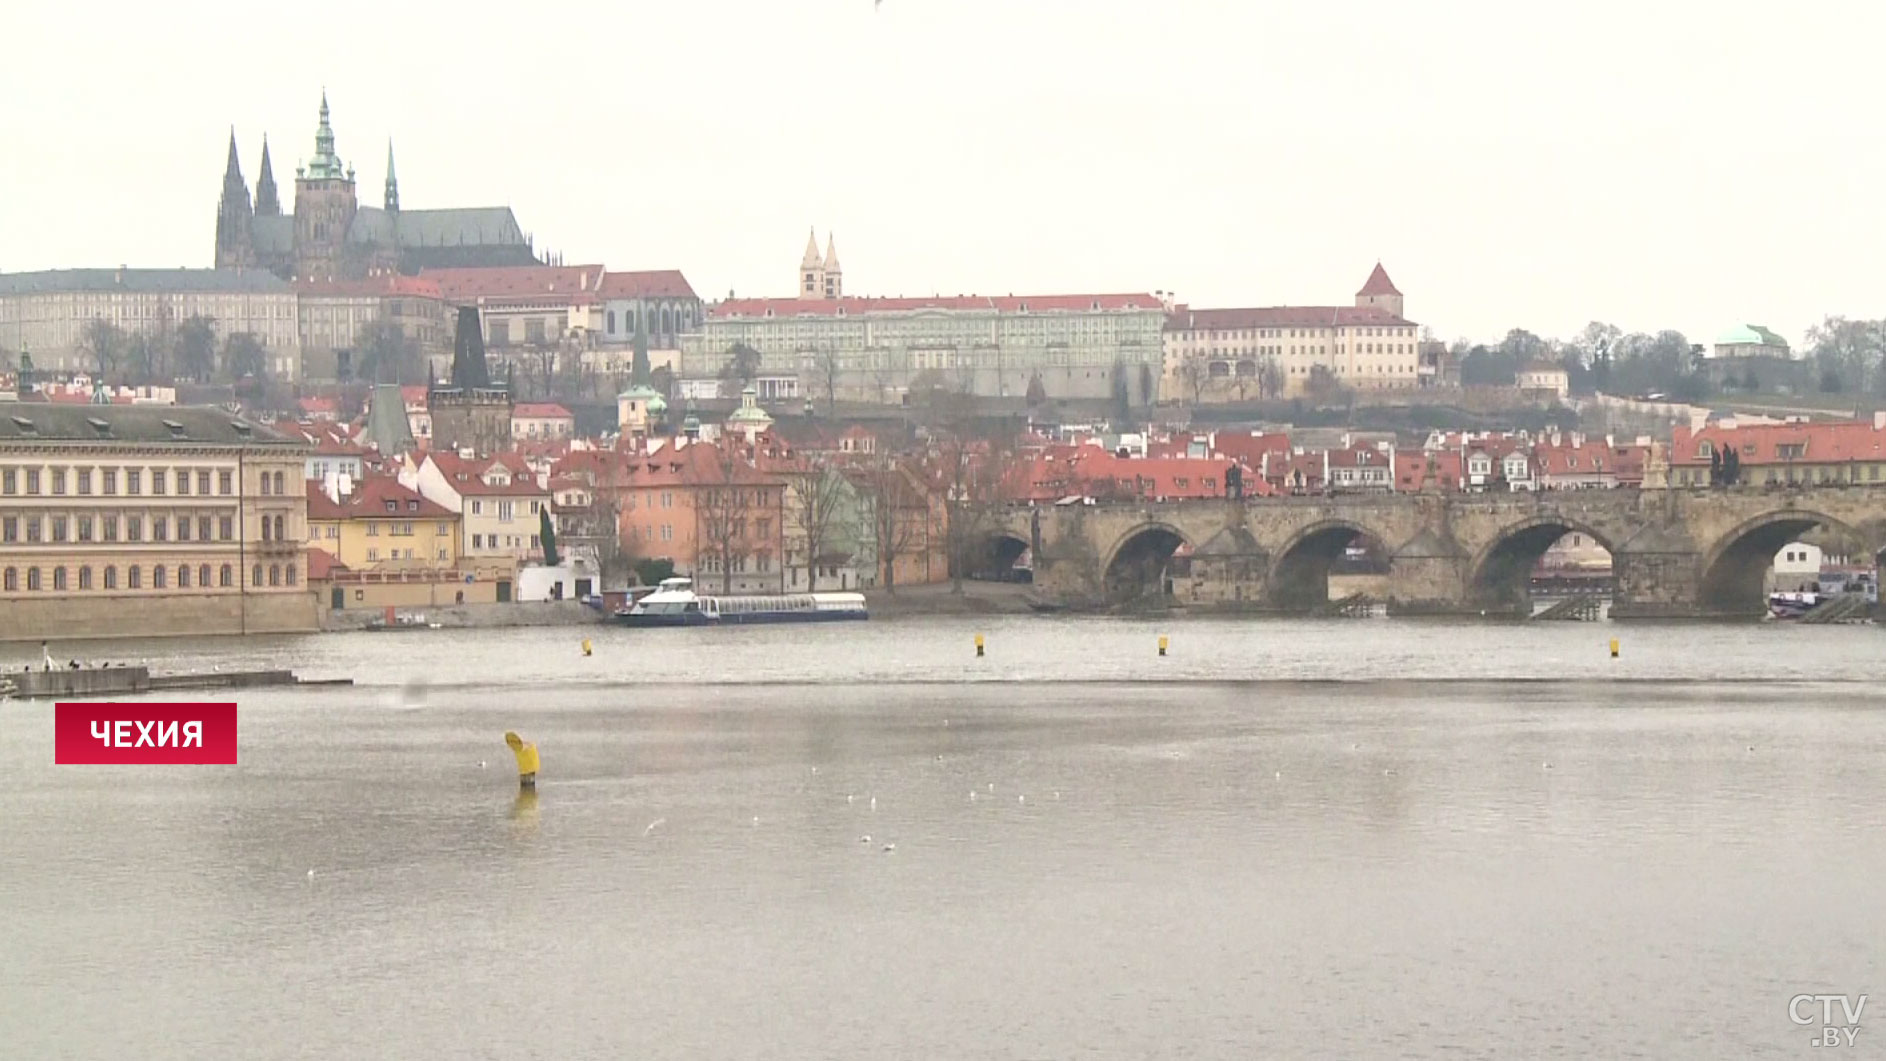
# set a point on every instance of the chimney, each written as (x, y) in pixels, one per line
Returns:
(1879, 420)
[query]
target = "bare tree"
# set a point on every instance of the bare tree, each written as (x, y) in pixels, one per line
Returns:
(893, 514)
(196, 347)
(722, 508)
(105, 343)
(1194, 374)
(826, 366)
(818, 495)
(244, 356)
(1270, 377)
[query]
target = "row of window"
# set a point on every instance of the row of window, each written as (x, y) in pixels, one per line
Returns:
(58, 481)
(504, 509)
(648, 532)
(36, 580)
(406, 554)
(710, 563)
(1849, 473)
(86, 528)
(500, 541)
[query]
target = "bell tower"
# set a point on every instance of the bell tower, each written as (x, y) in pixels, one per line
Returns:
(325, 205)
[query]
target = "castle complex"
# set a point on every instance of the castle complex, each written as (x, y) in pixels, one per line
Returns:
(331, 236)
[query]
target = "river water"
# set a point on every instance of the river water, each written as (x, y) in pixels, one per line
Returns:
(1343, 839)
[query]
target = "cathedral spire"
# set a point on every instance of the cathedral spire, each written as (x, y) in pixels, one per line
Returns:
(233, 170)
(267, 202)
(392, 182)
(810, 261)
(233, 214)
(325, 165)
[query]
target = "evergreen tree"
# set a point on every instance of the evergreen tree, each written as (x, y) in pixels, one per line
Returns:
(547, 533)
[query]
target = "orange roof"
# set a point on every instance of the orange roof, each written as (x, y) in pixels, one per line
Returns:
(414, 394)
(468, 477)
(1095, 472)
(1411, 469)
(1826, 442)
(522, 281)
(391, 284)
(698, 464)
(1184, 319)
(849, 306)
(322, 564)
(379, 497)
(656, 283)
(1378, 283)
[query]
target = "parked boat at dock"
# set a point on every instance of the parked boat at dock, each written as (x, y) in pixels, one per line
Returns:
(676, 604)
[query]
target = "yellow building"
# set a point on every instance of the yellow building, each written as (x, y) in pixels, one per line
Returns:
(382, 526)
(147, 520)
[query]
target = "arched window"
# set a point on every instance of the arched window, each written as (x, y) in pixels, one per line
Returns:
(134, 578)
(255, 575)
(279, 536)
(13, 580)
(278, 483)
(159, 576)
(667, 320)
(183, 576)
(203, 576)
(265, 482)
(228, 576)
(288, 574)
(58, 578)
(628, 321)
(610, 323)
(266, 527)
(85, 578)
(111, 577)
(274, 574)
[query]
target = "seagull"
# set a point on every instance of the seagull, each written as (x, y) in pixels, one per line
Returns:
(653, 824)
(849, 797)
(1545, 766)
(1279, 775)
(972, 795)
(874, 803)
(481, 764)
(815, 769)
(756, 821)
(1021, 799)
(310, 874)
(1057, 793)
(1388, 773)
(992, 786)
(890, 847)
(865, 839)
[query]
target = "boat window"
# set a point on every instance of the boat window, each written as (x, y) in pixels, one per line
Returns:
(693, 607)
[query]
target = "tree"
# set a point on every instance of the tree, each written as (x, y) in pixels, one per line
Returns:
(741, 369)
(104, 343)
(1194, 374)
(927, 388)
(818, 497)
(1852, 351)
(638, 366)
(1270, 377)
(1037, 392)
(547, 534)
(387, 355)
(1322, 383)
(147, 358)
(196, 347)
(652, 571)
(244, 357)
(826, 366)
(1145, 385)
(1122, 402)
(663, 381)
(723, 505)
(895, 514)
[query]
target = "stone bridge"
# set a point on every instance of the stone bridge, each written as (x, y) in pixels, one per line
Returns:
(1674, 552)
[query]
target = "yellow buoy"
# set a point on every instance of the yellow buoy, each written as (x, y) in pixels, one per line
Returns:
(978, 644)
(527, 761)
(586, 647)
(1614, 648)
(1162, 644)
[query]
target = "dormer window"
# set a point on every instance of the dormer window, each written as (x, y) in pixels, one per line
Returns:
(1705, 450)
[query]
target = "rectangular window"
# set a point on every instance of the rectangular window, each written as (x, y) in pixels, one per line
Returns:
(203, 482)
(9, 481)
(667, 532)
(445, 528)
(478, 508)
(108, 481)
(32, 529)
(85, 480)
(158, 475)
(183, 480)
(498, 333)
(478, 541)
(183, 528)
(134, 528)
(58, 528)
(373, 530)
(133, 481)
(373, 554)
(533, 542)
(111, 528)
(160, 528)
(85, 528)
(202, 528)
(504, 511)
(58, 480)
(225, 484)
(10, 529)
(226, 528)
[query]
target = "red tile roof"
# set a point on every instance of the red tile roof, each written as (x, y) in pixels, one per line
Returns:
(395, 284)
(540, 410)
(370, 499)
(1412, 469)
(322, 564)
(551, 282)
(1826, 442)
(1094, 472)
(1187, 319)
(467, 477)
(697, 464)
(1378, 283)
(1008, 304)
(655, 283)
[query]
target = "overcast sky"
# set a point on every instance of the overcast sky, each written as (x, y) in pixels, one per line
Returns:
(1650, 164)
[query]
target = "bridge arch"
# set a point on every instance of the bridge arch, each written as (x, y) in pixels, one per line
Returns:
(1734, 568)
(1300, 570)
(995, 554)
(1135, 567)
(1501, 575)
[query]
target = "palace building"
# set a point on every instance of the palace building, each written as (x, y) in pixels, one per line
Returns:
(121, 520)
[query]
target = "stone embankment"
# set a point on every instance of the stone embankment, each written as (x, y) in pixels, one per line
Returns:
(472, 616)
